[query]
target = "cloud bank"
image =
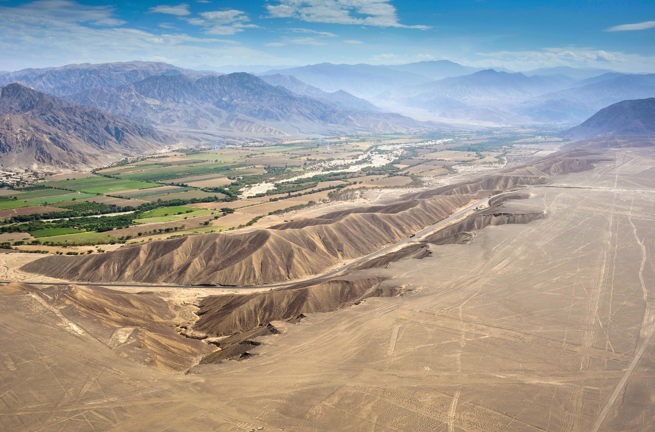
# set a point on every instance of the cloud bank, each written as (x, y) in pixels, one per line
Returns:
(378, 13)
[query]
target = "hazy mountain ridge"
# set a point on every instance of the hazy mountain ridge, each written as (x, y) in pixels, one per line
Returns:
(487, 96)
(361, 80)
(324, 99)
(630, 118)
(234, 105)
(578, 102)
(340, 98)
(559, 95)
(517, 98)
(39, 130)
(71, 79)
(567, 71)
(435, 69)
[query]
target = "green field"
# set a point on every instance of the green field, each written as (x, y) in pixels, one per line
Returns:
(177, 171)
(184, 195)
(101, 185)
(64, 197)
(215, 155)
(50, 232)
(173, 217)
(38, 193)
(45, 196)
(80, 239)
(167, 211)
(145, 194)
(8, 204)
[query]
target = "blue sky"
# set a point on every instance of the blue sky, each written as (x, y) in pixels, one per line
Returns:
(518, 35)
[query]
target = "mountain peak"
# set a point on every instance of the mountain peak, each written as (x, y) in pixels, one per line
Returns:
(17, 91)
(18, 98)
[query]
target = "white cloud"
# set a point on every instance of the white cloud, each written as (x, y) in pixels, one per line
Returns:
(179, 10)
(223, 22)
(378, 13)
(45, 12)
(632, 27)
(314, 32)
(307, 41)
(51, 33)
(353, 42)
(568, 56)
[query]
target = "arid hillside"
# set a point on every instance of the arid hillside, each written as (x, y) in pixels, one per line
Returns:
(296, 249)
(39, 131)
(290, 251)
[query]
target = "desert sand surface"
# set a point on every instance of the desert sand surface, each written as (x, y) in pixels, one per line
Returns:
(539, 326)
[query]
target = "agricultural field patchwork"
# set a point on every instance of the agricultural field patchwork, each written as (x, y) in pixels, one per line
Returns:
(190, 191)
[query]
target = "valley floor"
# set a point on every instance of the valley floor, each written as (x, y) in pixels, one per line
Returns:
(546, 326)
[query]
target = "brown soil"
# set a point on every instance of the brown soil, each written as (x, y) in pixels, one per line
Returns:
(244, 317)
(138, 326)
(541, 327)
(290, 251)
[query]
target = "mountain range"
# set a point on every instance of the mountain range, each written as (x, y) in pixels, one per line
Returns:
(486, 96)
(240, 105)
(574, 104)
(369, 81)
(71, 79)
(39, 131)
(502, 98)
(314, 100)
(339, 98)
(451, 93)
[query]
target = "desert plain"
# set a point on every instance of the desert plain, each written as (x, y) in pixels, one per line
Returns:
(544, 324)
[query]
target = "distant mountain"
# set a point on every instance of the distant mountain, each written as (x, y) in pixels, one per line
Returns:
(42, 131)
(339, 98)
(71, 79)
(494, 97)
(491, 85)
(574, 104)
(361, 80)
(237, 105)
(630, 118)
(324, 99)
(435, 70)
(571, 72)
(487, 95)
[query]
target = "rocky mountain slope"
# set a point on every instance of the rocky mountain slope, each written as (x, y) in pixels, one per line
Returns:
(236, 105)
(339, 98)
(71, 79)
(43, 132)
(630, 118)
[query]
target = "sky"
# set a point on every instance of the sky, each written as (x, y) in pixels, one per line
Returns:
(219, 35)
